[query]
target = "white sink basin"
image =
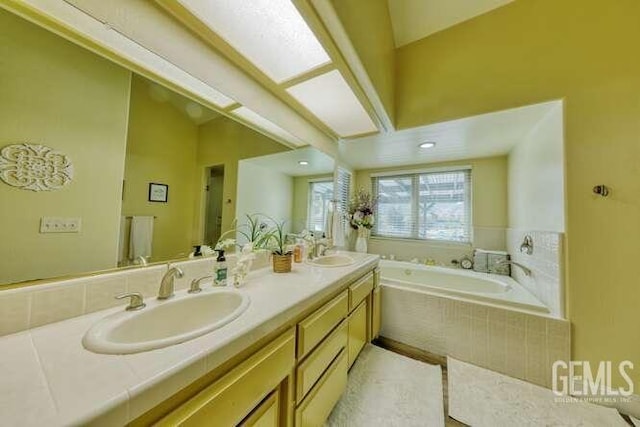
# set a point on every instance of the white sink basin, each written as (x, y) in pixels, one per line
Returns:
(165, 323)
(336, 260)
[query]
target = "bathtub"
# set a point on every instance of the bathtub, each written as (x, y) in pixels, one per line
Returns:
(462, 284)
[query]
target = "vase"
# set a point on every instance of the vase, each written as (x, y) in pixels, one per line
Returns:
(361, 241)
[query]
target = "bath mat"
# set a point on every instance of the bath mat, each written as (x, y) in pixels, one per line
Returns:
(387, 389)
(480, 397)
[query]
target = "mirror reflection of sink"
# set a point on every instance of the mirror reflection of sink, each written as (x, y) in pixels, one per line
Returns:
(336, 260)
(165, 323)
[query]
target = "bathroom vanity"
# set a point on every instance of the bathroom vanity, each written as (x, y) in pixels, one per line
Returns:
(283, 362)
(295, 379)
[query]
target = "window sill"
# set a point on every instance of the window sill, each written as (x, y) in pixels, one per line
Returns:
(430, 242)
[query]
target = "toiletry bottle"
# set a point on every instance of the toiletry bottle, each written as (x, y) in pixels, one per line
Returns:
(297, 252)
(220, 269)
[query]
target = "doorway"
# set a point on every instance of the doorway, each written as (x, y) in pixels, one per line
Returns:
(213, 213)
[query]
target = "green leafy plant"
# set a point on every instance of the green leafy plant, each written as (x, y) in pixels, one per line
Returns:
(278, 238)
(256, 231)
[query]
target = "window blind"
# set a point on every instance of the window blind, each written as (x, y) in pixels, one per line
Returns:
(320, 195)
(343, 187)
(428, 206)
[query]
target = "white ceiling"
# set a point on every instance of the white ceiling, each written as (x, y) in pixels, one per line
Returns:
(415, 19)
(485, 135)
(287, 162)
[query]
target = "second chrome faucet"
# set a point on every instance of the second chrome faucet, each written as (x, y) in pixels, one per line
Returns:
(167, 285)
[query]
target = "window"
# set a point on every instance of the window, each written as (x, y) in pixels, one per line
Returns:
(429, 205)
(320, 195)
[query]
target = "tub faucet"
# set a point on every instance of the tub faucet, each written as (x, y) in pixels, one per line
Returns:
(526, 270)
(167, 285)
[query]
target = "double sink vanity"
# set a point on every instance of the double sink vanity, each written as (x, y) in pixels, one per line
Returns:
(274, 352)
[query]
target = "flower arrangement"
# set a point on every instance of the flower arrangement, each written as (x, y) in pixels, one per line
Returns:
(361, 212)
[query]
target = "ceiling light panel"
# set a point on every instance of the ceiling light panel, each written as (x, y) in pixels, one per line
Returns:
(330, 98)
(270, 33)
(257, 120)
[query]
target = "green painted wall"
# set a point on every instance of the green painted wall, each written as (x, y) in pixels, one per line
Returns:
(161, 148)
(584, 52)
(57, 94)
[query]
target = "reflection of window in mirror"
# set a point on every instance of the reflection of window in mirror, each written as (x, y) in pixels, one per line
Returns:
(320, 195)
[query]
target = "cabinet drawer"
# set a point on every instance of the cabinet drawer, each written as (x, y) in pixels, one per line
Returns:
(358, 328)
(265, 415)
(317, 406)
(318, 325)
(359, 291)
(228, 401)
(312, 368)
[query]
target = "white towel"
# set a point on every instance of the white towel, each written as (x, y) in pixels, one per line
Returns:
(328, 225)
(141, 237)
(122, 240)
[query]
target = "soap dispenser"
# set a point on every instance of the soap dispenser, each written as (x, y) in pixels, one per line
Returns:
(220, 269)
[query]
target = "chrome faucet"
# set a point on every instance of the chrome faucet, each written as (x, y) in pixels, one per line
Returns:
(526, 270)
(195, 284)
(167, 285)
(320, 247)
(136, 301)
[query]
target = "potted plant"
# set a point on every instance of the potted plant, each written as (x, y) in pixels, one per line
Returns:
(282, 255)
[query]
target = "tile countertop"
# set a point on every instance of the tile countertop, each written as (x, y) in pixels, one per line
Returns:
(49, 378)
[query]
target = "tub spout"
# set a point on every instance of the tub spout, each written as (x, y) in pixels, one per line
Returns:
(526, 270)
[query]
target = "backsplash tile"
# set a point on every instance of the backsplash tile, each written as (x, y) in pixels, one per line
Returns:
(14, 311)
(101, 292)
(59, 302)
(33, 306)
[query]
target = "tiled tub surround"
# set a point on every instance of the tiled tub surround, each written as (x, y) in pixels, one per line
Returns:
(517, 343)
(546, 281)
(49, 378)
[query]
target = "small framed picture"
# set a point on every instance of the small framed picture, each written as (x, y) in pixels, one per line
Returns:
(158, 192)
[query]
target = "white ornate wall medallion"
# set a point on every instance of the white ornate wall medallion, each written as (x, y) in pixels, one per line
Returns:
(35, 167)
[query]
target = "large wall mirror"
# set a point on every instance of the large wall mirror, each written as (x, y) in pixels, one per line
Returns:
(294, 187)
(154, 173)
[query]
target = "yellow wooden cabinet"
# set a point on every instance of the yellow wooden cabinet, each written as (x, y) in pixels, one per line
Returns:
(229, 400)
(297, 378)
(267, 414)
(311, 369)
(376, 312)
(358, 331)
(316, 407)
(314, 328)
(360, 290)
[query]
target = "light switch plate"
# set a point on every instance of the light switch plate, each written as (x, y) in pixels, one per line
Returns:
(50, 224)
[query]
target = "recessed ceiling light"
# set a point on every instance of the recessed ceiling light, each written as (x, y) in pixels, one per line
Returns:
(303, 162)
(428, 144)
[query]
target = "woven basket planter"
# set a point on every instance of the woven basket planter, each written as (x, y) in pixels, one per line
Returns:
(282, 263)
